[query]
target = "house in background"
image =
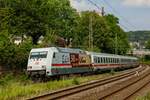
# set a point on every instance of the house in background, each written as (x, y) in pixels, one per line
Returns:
(17, 40)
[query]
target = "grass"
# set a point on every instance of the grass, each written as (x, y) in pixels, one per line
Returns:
(146, 97)
(144, 61)
(12, 88)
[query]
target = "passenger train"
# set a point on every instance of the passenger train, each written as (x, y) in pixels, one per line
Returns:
(57, 61)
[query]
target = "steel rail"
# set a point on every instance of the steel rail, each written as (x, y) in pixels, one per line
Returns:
(137, 90)
(76, 89)
(125, 85)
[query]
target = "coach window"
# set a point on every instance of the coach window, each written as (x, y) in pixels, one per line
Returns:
(95, 59)
(105, 60)
(98, 59)
(108, 60)
(102, 60)
(117, 60)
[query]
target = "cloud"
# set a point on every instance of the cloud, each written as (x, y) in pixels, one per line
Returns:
(82, 5)
(138, 3)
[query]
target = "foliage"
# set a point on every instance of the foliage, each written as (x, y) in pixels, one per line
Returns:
(139, 36)
(34, 17)
(76, 81)
(148, 45)
(11, 55)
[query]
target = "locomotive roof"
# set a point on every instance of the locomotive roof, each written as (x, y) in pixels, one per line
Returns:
(58, 49)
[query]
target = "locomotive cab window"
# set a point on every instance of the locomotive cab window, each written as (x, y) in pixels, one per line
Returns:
(54, 55)
(37, 55)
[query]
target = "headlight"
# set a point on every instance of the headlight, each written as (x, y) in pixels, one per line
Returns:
(29, 67)
(43, 66)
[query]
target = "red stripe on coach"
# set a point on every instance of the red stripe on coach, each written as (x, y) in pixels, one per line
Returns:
(61, 64)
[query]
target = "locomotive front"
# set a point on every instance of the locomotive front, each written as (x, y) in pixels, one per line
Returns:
(37, 62)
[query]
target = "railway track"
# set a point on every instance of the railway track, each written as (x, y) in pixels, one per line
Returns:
(68, 92)
(126, 89)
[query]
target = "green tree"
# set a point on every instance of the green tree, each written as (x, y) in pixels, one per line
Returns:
(148, 45)
(118, 42)
(34, 17)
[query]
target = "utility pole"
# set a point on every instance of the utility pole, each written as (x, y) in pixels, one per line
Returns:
(116, 44)
(90, 32)
(103, 11)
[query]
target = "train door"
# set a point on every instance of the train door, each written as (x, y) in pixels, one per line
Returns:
(74, 59)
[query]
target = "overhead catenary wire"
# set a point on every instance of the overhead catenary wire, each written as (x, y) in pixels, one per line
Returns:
(122, 17)
(111, 9)
(93, 3)
(114, 11)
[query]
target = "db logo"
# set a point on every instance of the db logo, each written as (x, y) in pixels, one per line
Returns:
(36, 63)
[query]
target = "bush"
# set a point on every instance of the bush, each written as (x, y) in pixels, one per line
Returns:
(15, 57)
(6, 79)
(75, 81)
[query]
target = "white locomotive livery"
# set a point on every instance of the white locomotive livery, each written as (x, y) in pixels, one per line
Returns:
(54, 61)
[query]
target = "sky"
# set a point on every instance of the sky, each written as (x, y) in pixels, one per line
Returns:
(134, 15)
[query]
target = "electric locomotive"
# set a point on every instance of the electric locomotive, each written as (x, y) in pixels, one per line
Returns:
(58, 61)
